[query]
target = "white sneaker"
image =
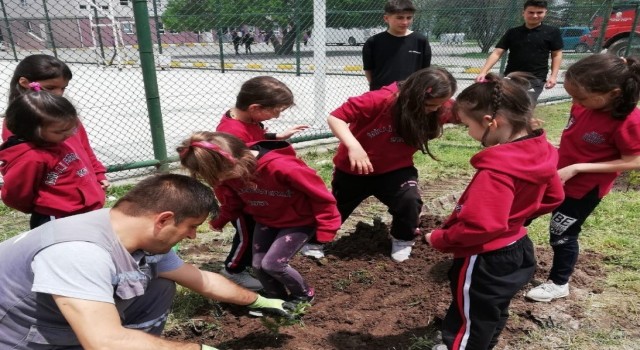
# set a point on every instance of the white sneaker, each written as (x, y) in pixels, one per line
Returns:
(400, 250)
(313, 250)
(439, 347)
(243, 279)
(548, 291)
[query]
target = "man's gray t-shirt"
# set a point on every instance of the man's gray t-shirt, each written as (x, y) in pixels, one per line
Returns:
(84, 270)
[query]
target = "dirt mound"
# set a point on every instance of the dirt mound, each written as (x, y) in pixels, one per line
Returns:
(364, 300)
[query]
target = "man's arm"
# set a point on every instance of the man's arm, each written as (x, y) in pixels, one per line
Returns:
(556, 60)
(97, 326)
(491, 60)
(210, 285)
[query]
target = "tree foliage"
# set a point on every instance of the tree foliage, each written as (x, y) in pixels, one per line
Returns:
(481, 20)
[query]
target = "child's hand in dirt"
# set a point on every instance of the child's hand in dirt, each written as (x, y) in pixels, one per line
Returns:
(427, 238)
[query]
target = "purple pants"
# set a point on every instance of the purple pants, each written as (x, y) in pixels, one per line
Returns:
(273, 248)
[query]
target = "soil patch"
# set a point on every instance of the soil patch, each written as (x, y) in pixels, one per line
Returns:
(366, 301)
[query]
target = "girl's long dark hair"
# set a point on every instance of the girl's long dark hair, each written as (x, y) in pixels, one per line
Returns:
(412, 122)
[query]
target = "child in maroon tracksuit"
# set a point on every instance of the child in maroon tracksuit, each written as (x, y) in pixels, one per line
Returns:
(45, 171)
(600, 141)
(515, 180)
(379, 133)
(53, 76)
(288, 200)
(260, 99)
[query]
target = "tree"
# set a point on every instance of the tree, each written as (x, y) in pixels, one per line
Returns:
(206, 15)
(292, 16)
(354, 13)
(482, 20)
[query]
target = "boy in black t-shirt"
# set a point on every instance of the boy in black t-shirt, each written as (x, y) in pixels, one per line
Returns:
(397, 52)
(530, 46)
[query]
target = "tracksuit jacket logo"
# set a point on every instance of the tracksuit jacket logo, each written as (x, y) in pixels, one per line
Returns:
(52, 177)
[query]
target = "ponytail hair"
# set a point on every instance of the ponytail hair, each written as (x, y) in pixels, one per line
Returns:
(603, 73)
(36, 68)
(495, 95)
(216, 156)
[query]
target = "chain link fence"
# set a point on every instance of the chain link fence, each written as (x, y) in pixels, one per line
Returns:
(180, 63)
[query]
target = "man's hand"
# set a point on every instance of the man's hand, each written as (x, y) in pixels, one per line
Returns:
(551, 82)
(275, 307)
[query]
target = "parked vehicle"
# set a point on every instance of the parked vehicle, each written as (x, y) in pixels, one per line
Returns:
(571, 38)
(617, 32)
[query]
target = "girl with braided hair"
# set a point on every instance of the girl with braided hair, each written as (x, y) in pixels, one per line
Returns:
(379, 133)
(516, 180)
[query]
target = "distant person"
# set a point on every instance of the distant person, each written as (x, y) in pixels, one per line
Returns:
(599, 142)
(530, 46)
(248, 40)
(306, 37)
(260, 99)
(44, 175)
(107, 279)
(394, 54)
(288, 200)
(267, 37)
(515, 180)
(379, 133)
(236, 39)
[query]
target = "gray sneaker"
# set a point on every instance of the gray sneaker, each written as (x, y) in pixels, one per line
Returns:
(313, 250)
(243, 279)
(548, 291)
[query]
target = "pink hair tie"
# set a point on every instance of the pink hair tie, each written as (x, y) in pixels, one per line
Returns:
(35, 86)
(183, 152)
(428, 90)
(215, 148)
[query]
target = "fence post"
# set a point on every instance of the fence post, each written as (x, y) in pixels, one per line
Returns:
(296, 16)
(8, 26)
(319, 58)
(632, 34)
(221, 47)
(147, 63)
(603, 29)
(155, 18)
(95, 15)
(50, 31)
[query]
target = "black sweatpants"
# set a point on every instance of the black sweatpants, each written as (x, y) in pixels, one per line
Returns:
(397, 189)
(239, 257)
(564, 229)
(482, 287)
(535, 89)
